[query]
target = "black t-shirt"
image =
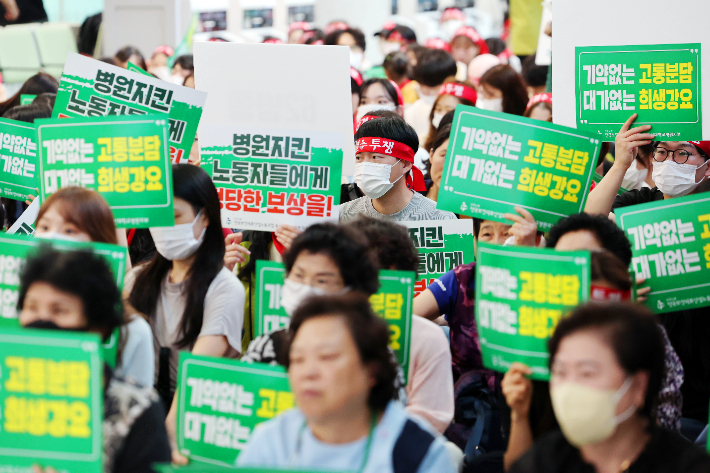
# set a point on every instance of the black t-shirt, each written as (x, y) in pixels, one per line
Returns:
(31, 11)
(637, 196)
(666, 452)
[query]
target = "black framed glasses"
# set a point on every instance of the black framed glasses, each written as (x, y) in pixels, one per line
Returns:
(680, 156)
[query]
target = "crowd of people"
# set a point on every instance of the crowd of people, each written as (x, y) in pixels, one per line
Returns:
(628, 390)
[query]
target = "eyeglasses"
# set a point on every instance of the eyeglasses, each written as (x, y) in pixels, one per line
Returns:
(661, 154)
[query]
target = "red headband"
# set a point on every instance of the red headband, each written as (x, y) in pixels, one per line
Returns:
(540, 98)
(459, 90)
(335, 26)
(298, 25)
(437, 43)
(415, 180)
(473, 35)
(703, 145)
(356, 76)
(364, 119)
(601, 293)
(272, 41)
(167, 50)
(400, 97)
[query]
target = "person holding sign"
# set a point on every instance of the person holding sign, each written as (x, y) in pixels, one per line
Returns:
(342, 376)
(606, 364)
(76, 291)
(386, 174)
(678, 168)
(191, 300)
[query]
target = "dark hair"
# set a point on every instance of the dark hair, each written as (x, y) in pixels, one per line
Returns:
(385, 114)
(611, 237)
(345, 246)
(88, 34)
(631, 331)
(109, 60)
(441, 136)
(28, 113)
(496, 46)
(608, 267)
(392, 128)
(654, 145)
(258, 249)
(534, 75)
(86, 209)
(185, 62)
(447, 119)
(407, 33)
(396, 65)
(389, 242)
(354, 88)
(389, 88)
(193, 184)
(81, 273)
(511, 84)
(434, 67)
(431, 135)
(189, 76)
(125, 53)
(45, 99)
(369, 332)
(546, 105)
(35, 85)
(603, 151)
(333, 38)
(316, 34)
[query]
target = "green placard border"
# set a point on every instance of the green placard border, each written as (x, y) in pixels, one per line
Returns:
(260, 297)
(408, 318)
(37, 156)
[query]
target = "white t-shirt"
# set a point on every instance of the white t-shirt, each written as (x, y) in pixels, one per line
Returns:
(223, 314)
(137, 356)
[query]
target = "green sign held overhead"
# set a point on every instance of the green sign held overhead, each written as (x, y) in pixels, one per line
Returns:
(498, 161)
(660, 82)
(670, 240)
(442, 245)
(521, 294)
(51, 400)
(125, 159)
(268, 177)
(220, 401)
(15, 249)
(91, 88)
(19, 175)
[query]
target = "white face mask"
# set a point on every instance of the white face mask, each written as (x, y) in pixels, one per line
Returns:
(373, 179)
(588, 415)
(356, 59)
(634, 177)
(675, 179)
(363, 110)
(58, 236)
(493, 105)
(177, 242)
(428, 99)
(437, 119)
(390, 47)
(294, 293)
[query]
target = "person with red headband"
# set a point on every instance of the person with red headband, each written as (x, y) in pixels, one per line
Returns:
(678, 168)
(296, 30)
(467, 44)
(385, 173)
(379, 94)
(540, 107)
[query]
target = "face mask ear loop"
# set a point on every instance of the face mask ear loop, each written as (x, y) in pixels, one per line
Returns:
(617, 397)
(400, 177)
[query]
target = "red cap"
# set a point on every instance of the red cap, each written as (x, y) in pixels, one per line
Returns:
(437, 43)
(472, 34)
(335, 26)
(537, 98)
(167, 50)
(703, 145)
(272, 41)
(452, 13)
(298, 25)
(386, 28)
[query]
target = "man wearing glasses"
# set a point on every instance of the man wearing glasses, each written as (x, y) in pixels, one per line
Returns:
(678, 168)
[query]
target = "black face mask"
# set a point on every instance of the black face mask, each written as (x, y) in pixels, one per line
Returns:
(49, 325)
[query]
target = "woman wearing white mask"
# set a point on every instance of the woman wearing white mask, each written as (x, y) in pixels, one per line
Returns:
(324, 259)
(78, 214)
(379, 94)
(192, 301)
(606, 365)
(384, 172)
(501, 89)
(678, 168)
(355, 40)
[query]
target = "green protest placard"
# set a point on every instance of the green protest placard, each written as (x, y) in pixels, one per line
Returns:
(497, 161)
(18, 156)
(521, 294)
(393, 302)
(220, 401)
(670, 240)
(268, 177)
(660, 82)
(125, 159)
(52, 400)
(15, 249)
(268, 313)
(133, 68)
(93, 88)
(27, 99)
(442, 245)
(203, 468)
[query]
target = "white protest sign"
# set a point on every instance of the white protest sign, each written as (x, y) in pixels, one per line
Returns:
(25, 224)
(543, 56)
(618, 23)
(294, 87)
